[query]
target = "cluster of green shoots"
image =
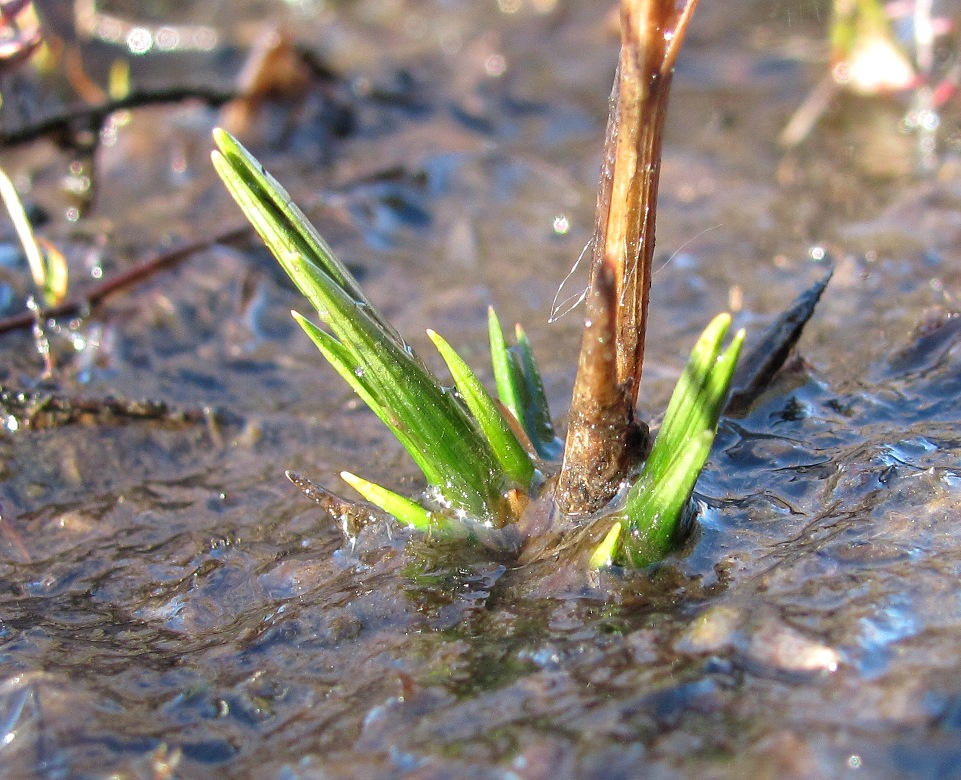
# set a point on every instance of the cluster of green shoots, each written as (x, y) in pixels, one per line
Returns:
(484, 458)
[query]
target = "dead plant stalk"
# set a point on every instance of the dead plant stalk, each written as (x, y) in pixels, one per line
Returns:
(605, 443)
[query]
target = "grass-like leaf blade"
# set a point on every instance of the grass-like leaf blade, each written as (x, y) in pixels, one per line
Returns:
(508, 376)
(409, 512)
(690, 409)
(278, 220)
(654, 505)
(656, 501)
(537, 415)
(510, 453)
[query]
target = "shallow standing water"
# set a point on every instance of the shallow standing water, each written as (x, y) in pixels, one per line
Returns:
(171, 607)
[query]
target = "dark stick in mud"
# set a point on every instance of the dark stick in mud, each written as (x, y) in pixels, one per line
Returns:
(760, 365)
(39, 410)
(605, 442)
(67, 123)
(132, 276)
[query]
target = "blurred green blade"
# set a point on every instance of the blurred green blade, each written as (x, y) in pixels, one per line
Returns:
(24, 230)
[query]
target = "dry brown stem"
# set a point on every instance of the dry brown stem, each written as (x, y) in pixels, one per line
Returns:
(604, 441)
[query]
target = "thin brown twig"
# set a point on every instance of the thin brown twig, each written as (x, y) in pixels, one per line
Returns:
(92, 116)
(351, 516)
(86, 117)
(132, 276)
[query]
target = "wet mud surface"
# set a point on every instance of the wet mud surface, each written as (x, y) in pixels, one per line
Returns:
(170, 606)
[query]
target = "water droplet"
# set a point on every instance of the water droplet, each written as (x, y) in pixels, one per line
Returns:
(167, 38)
(139, 40)
(495, 65)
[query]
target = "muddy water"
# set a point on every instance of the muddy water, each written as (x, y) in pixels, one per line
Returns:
(171, 607)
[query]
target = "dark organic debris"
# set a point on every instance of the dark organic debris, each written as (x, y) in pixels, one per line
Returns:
(758, 367)
(938, 331)
(73, 122)
(66, 124)
(38, 410)
(350, 516)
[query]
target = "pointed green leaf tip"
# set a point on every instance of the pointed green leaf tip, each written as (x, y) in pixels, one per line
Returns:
(655, 502)
(405, 510)
(507, 373)
(447, 443)
(606, 551)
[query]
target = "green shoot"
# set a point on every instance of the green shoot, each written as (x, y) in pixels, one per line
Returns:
(507, 373)
(464, 449)
(470, 450)
(699, 396)
(510, 453)
(655, 502)
(408, 512)
(607, 550)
